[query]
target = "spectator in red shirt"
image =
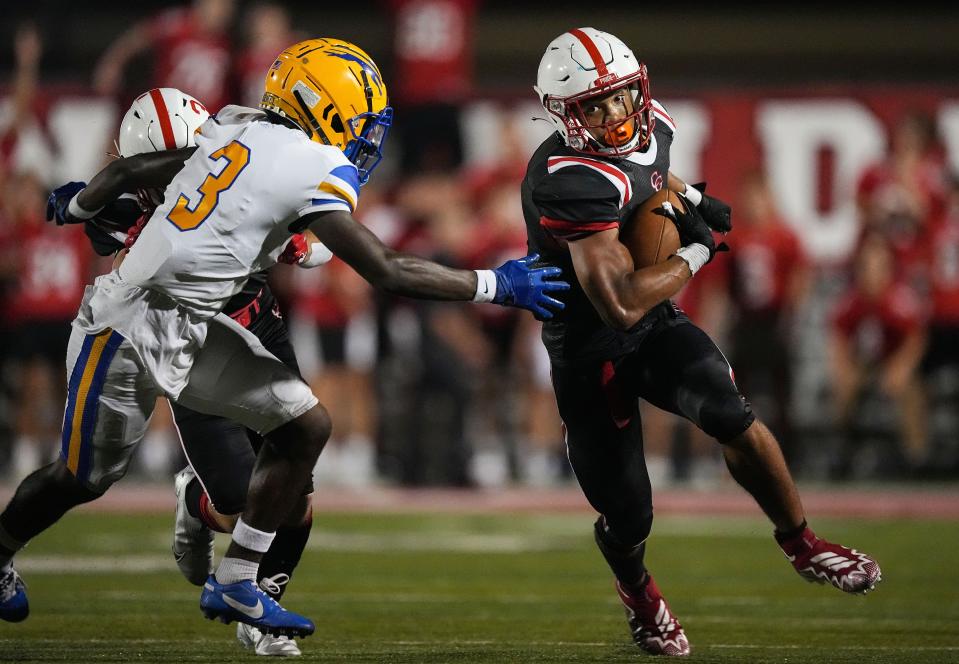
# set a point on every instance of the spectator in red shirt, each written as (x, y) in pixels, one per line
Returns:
(942, 277)
(27, 49)
(45, 270)
(191, 52)
(940, 366)
(433, 71)
(42, 271)
(878, 339)
(267, 32)
(767, 279)
(901, 194)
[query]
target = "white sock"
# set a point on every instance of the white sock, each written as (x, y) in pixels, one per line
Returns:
(232, 570)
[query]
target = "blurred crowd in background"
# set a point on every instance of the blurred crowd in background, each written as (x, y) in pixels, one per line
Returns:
(854, 364)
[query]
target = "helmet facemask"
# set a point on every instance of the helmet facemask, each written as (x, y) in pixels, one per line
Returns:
(369, 132)
(622, 136)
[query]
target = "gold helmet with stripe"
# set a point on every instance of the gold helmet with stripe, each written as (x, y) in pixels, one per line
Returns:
(333, 91)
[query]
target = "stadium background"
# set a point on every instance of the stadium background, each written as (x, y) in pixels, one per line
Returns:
(789, 113)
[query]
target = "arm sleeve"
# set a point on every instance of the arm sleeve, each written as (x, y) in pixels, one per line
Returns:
(575, 202)
(108, 229)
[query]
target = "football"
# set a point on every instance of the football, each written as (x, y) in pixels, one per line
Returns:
(650, 235)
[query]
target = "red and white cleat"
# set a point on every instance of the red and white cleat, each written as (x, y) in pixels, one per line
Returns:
(820, 561)
(654, 627)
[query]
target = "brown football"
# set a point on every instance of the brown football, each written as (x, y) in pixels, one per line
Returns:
(650, 235)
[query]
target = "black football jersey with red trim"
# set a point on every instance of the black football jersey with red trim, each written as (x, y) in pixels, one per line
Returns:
(568, 195)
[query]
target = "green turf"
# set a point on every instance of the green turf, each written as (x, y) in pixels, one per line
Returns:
(471, 588)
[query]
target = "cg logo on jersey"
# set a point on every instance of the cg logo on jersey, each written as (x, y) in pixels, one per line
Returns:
(656, 180)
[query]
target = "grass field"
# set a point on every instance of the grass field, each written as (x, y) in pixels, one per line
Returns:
(494, 588)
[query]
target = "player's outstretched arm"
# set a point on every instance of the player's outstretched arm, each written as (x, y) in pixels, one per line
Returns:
(517, 283)
(76, 202)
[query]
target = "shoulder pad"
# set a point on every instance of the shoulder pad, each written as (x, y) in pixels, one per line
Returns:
(580, 196)
(662, 116)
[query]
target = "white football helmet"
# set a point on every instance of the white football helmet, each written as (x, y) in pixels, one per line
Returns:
(160, 119)
(585, 63)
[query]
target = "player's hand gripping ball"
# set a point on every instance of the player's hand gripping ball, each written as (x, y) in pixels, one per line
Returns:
(691, 226)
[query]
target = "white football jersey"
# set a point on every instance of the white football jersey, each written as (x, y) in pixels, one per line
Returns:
(227, 213)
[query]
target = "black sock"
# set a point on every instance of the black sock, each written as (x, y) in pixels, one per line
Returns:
(284, 553)
(193, 492)
(784, 536)
(626, 562)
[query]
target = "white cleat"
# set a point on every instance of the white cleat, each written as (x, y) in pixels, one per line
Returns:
(266, 645)
(192, 540)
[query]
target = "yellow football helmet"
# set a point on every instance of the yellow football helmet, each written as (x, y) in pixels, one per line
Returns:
(333, 91)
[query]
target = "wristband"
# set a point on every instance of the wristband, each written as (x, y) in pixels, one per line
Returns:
(318, 255)
(74, 209)
(485, 286)
(696, 255)
(693, 195)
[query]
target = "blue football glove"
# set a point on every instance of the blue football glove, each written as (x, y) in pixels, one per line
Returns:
(59, 200)
(519, 284)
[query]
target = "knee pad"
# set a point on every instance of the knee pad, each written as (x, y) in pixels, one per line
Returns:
(725, 416)
(627, 537)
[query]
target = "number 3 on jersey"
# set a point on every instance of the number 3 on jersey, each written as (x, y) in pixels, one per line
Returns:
(237, 156)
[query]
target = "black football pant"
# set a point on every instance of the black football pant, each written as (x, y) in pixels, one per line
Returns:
(677, 368)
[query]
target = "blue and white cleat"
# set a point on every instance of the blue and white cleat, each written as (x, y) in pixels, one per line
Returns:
(246, 603)
(13, 596)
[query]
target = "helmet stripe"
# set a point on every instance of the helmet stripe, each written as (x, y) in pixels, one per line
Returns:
(165, 127)
(594, 53)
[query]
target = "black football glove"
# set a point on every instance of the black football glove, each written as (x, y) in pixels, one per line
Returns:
(718, 215)
(692, 227)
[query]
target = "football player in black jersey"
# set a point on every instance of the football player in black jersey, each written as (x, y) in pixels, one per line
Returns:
(620, 338)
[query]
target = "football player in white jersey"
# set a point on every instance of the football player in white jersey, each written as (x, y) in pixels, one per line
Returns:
(211, 491)
(154, 326)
